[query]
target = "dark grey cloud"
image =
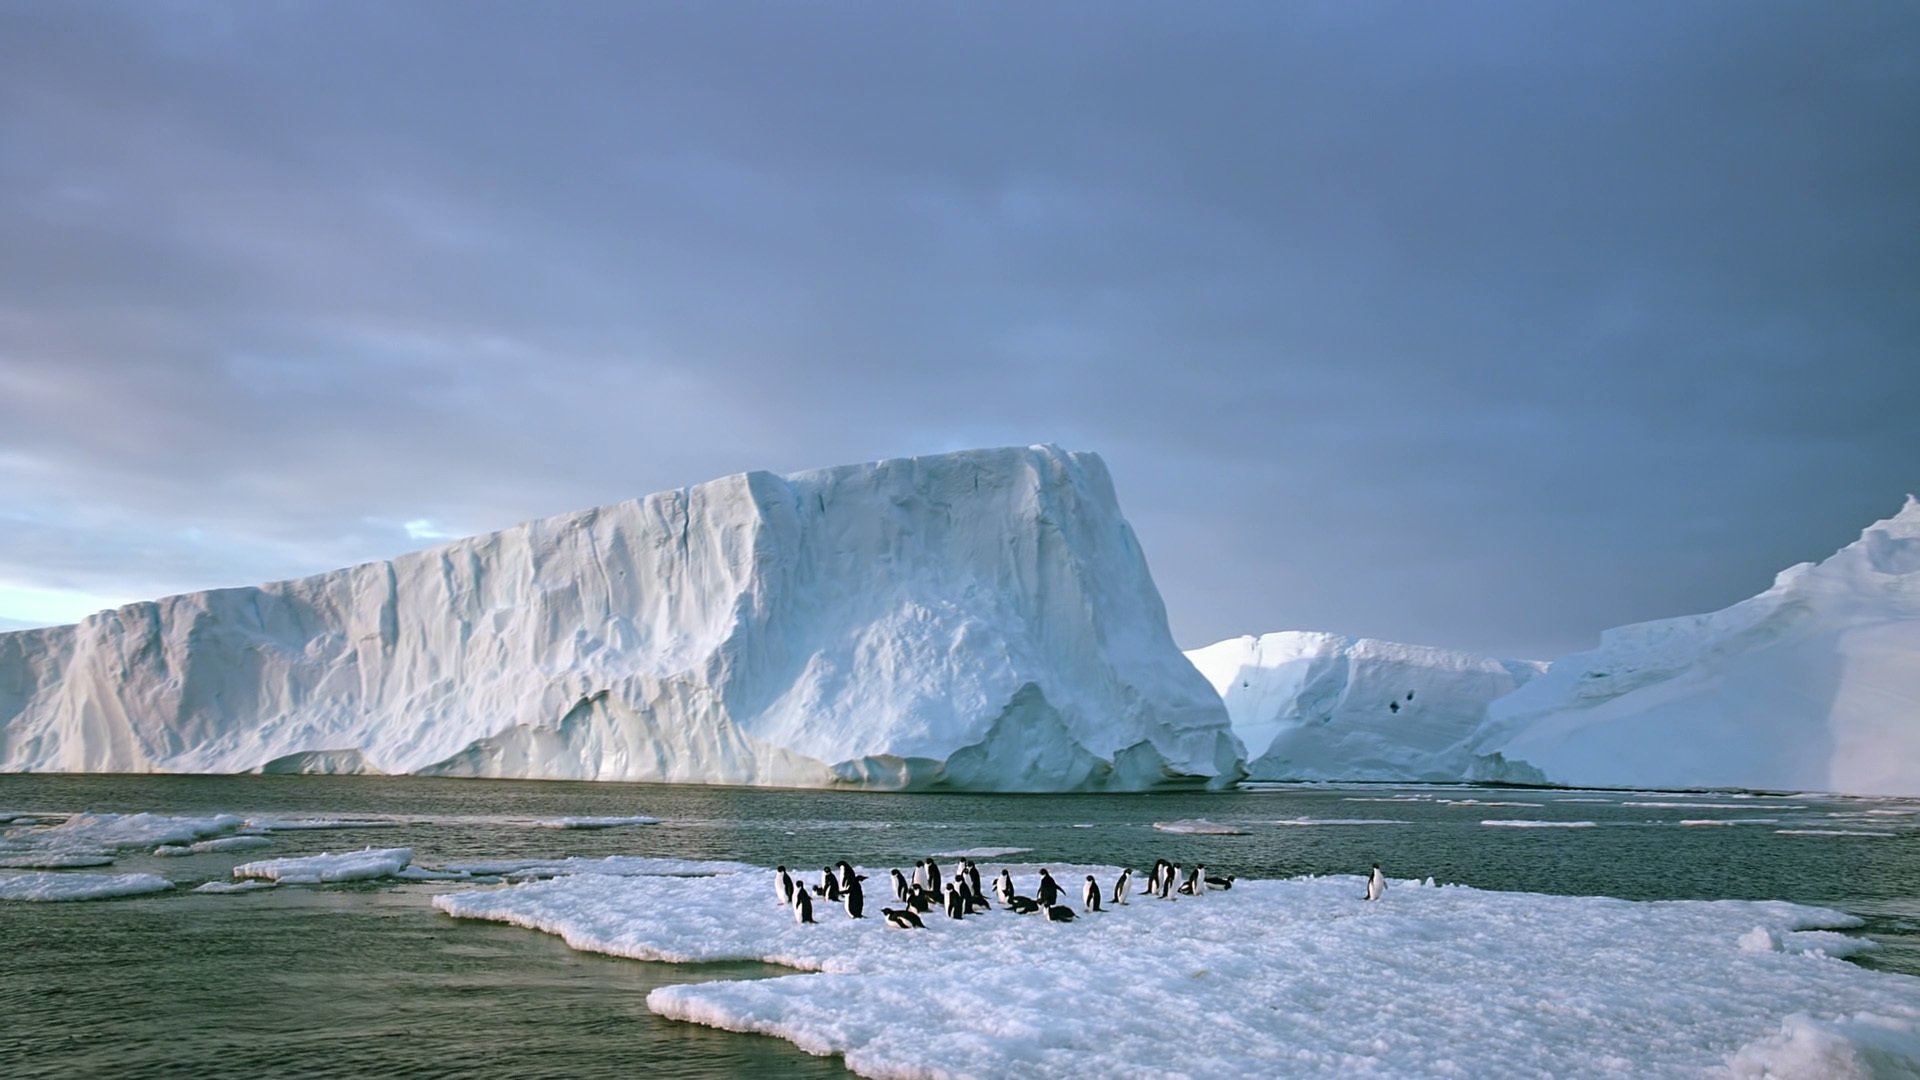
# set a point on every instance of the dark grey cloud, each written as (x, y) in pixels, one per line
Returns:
(1486, 325)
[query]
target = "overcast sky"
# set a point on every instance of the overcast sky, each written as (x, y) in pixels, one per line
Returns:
(1479, 325)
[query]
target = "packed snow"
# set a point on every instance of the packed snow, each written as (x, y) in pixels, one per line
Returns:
(1810, 686)
(1315, 706)
(326, 869)
(1296, 978)
(735, 632)
(595, 822)
(59, 886)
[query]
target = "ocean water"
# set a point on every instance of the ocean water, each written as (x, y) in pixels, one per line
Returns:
(368, 979)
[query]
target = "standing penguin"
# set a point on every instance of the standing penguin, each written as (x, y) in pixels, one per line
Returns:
(1170, 878)
(829, 884)
(855, 897)
(899, 886)
(933, 874)
(956, 906)
(920, 874)
(1090, 896)
(973, 880)
(1122, 884)
(1200, 880)
(1376, 883)
(783, 884)
(1003, 886)
(1049, 891)
(802, 907)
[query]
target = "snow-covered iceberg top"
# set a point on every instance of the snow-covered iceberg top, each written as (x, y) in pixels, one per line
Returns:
(1316, 706)
(1813, 685)
(1297, 978)
(979, 620)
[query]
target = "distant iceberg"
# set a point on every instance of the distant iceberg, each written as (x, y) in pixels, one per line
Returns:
(1813, 685)
(979, 621)
(1315, 706)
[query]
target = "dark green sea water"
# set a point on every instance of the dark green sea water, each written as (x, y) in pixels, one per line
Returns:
(368, 979)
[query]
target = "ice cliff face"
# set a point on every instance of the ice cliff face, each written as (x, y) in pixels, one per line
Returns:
(1313, 706)
(981, 620)
(1811, 685)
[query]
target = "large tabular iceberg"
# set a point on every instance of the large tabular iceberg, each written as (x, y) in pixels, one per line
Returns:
(1313, 706)
(980, 620)
(1811, 685)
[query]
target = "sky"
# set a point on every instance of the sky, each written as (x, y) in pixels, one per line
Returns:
(1473, 324)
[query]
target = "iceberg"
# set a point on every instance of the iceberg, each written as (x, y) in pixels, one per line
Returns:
(981, 620)
(1316, 706)
(1813, 685)
(326, 869)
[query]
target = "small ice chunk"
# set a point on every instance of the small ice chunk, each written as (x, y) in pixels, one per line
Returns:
(323, 869)
(207, 847)
(57, 886)
(595, 822)
(1759, 939)
(1199, 827)
(249, 885)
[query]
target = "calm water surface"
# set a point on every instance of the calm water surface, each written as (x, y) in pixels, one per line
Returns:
(369, 979)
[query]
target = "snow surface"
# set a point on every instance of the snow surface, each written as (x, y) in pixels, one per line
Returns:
(979, 620)
(324, 869)
(1314, 706)
(58, 886)
(1813, 685)
(1295, 978)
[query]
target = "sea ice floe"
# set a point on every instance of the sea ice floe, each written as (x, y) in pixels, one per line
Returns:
(612, 866)
(982, 853)
(1199, 827)
(1831, 832)
(52, 860)
(595, 822)
(106, 832)
(1296, 978)
(249, 885)
(325, 869)
(1486, 802)
(318, 824)
(1338, 821)
(207, 847)
(57, 886)
(1518, 823)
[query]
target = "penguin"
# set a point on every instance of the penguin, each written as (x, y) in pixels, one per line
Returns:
(920, 900)
(902, 918)
(1059, 913)
(973, 880)
(956, 907)
(1022, 905)
(1090, 896)
(829, 885)
(1376, 883)
(1048, 893)
(1156, 883)
(1221, 883)
(847, 876)
(1196, 882)
(1003, 885)
(899, 886)
(856, 899)
(968, 902)
(1122, 884)
(1169, 880)
(784, 885)
(802, 907)
(933, 874)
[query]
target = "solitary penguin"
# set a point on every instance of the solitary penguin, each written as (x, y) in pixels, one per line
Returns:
(899, 886)
(1122, 884)
(1049, 891)
(1376, 884)
(802, 907)
(784, 884)
(1059, 913)
(902, 918)
(855, 898)
(1090, 897)
(1003, 885)
(956, 907)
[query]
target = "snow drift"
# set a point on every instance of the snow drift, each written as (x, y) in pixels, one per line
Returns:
(1313, 706)
(1811, 685)
(981, 620)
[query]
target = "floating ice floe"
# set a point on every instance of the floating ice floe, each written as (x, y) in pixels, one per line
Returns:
(319, 824)
(1296, 978)
(326, 869)
(52, 861)
(1730, 821)
(1517, 823)
(982, 853)
(1199, 827)
(1486, 802)
(106, 832)
(611, 866)
(595, 822)
(1831, 832)
(208, 847)
(1338, 821)
(57, 886)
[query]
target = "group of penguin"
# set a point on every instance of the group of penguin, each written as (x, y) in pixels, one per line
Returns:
(962, 895)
